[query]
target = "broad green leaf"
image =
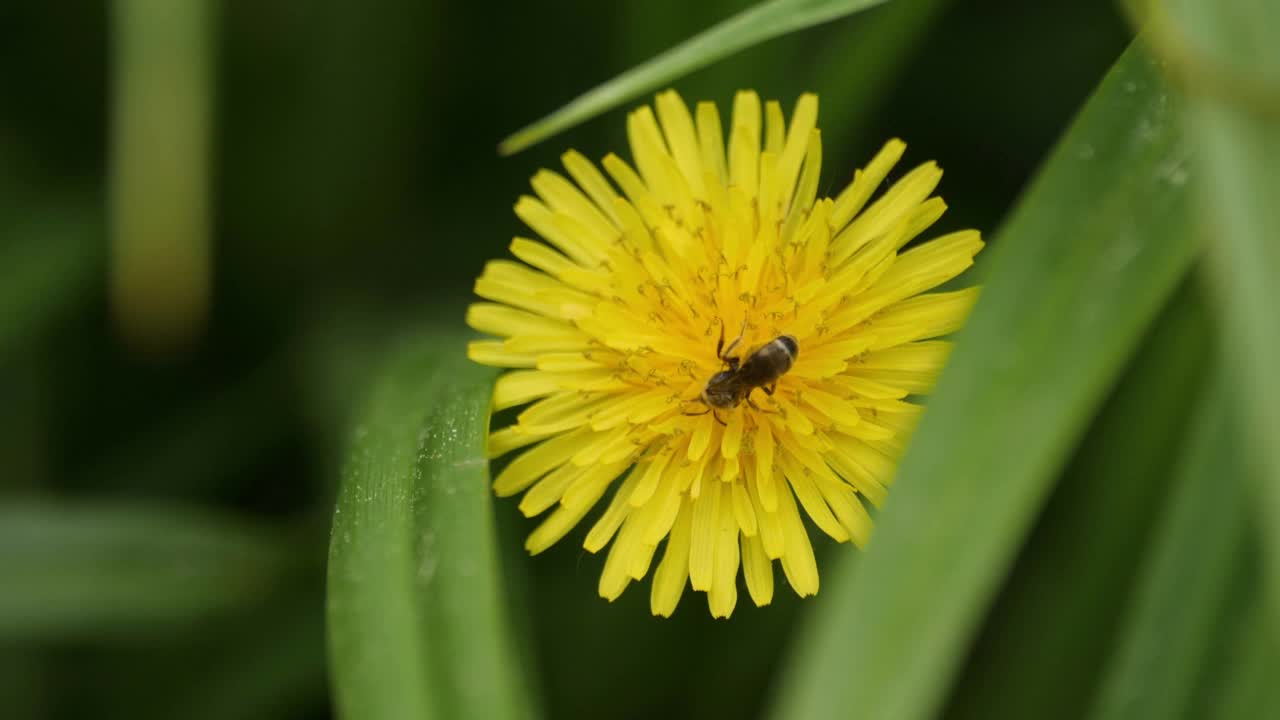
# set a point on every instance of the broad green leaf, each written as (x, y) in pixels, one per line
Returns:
(1089, 256)
(1054, 622)
(417, 625)
(81, 568)
(1232, 45)
(749, 27)
(1198, 553)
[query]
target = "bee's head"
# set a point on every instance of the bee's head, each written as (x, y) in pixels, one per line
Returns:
(722, 390)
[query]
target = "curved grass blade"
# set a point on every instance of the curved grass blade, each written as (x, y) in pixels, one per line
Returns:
(1091, 253)
(1237, 41)
(749, 27)
(417, 626)
(1054, 623)
(1198, 555)
(75, 569)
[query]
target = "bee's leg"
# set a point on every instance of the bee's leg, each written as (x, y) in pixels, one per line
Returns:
(704, 412)
(733, 361)
(716, 415)
(768, 389)
(753, 404)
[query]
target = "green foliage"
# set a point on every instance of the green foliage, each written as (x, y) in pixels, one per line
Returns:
(1091, 536)
(80, 569)
(1090, 254)
(1197, 551)
(1240, 132)
(1086, 525)
(749, 27)
(417, 627)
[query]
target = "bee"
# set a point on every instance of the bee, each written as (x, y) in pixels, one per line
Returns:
(762, 368)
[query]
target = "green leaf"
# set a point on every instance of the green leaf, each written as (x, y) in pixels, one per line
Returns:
(749, 27)
(1197, 555)
(1091, 253)
(78, 568)
(1231, 45)
(417, 626)
(1079, 563)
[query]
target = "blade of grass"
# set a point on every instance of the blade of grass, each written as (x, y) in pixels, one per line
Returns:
(1089, 256)
(1198, 554)
(1052, 626)
(749, 27)
(417, 627)
(1235, 41)
(99, 568)
(160, 270)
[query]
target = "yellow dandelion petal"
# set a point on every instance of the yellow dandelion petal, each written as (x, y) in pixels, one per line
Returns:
(744, 143)
(702, 543)
(673, 571)
(700, 336)
(723, 595)
(769, 522)
(757, 567)
(798, 563)
(742, 510)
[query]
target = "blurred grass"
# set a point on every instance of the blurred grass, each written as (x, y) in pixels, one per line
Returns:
(23, 684)
(160, 269)
(750, 27)
(349, 141)
(75, 569)
(1239, 187)
(872, 51)
(1091, 253)
(262, 666)
(1033, 658)
(1240, 682)
(48, 269)
(1197, 554)
(417, 626)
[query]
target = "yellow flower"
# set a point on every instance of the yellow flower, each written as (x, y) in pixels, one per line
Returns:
(614, 320)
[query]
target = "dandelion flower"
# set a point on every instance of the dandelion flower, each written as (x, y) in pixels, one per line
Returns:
(612, 320)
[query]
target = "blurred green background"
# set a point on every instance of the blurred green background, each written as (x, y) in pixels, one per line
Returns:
(174, 403)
